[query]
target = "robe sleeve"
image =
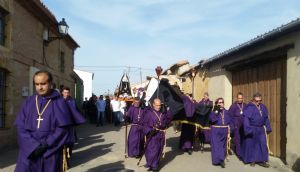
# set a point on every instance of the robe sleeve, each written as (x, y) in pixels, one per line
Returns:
(77, 118)
(247, 127)
(167, 120)
(146, 122)
(267, 121)
(63, 114)
(58, 137)
(231, 125)
(213, 118)
(26, 142)
(231, 115)
(231, 110)
(56, 140)
(129, 115)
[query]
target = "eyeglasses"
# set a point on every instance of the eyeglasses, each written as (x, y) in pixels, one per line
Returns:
(220, 102)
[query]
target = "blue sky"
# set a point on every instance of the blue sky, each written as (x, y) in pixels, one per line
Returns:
(147, 33)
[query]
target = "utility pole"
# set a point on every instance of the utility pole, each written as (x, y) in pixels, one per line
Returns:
(141, 75)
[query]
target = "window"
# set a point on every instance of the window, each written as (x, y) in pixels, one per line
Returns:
(2, 26)
(62, 62)
(2, 96)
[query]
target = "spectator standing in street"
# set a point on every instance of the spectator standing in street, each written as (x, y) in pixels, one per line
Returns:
(84, 109)
(108, 114)
(116, 108)
(101, 104)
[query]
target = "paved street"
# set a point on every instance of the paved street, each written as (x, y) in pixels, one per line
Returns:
(101, 149)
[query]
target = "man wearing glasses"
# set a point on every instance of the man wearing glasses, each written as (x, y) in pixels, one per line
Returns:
(220, 133)
(256, 127)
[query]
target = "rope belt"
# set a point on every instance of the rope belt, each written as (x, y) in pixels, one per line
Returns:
(228, 137)
(165, 140)
(134, 125)
(193, 123)
(267, 140)
(65, 159)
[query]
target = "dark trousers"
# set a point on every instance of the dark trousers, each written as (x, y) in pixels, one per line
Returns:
(116, 118)
(100, 116)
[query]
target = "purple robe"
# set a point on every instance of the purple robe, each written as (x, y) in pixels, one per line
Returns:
(53, 131)
(136, 135)
(189, 106)
(154, 120)
(187, 131)
(77, 119)
(254, 147)
(204, 135)
(236, 112)
(219, 135)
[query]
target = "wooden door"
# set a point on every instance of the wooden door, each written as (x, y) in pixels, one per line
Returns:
(270, 80)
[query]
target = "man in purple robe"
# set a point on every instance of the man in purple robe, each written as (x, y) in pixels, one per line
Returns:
(203, 109)
(236, 112)
(155, 125)
(187, 130)
(220, 132)
(256, 128)
(77, 119)
(136, 141)
(42, 128)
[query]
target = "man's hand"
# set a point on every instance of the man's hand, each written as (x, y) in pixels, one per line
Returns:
(39, 151)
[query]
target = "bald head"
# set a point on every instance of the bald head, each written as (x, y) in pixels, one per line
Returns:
(156, 104)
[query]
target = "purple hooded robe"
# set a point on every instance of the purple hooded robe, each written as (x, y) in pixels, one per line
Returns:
(256, 125)
(236, 112)
(219, 135)
(155, 121)
(187, 131)
(53, 131)
(136, 135)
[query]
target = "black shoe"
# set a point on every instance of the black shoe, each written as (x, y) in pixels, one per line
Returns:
(97, 125)
(264, 164)
(152, 169)
(222, 164)
(252, 164)
(190, 152)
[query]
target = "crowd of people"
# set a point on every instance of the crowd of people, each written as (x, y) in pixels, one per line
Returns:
(46, 127)
(109, 110)
(247, 123)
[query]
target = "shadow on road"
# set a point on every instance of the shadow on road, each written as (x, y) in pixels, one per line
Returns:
(90, 144)
(91, 153)
(8, 158)
(170, 155)
(111, 167)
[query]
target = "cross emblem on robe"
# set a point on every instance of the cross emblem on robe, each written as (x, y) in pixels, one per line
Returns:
(39, 121)
(38, 110)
